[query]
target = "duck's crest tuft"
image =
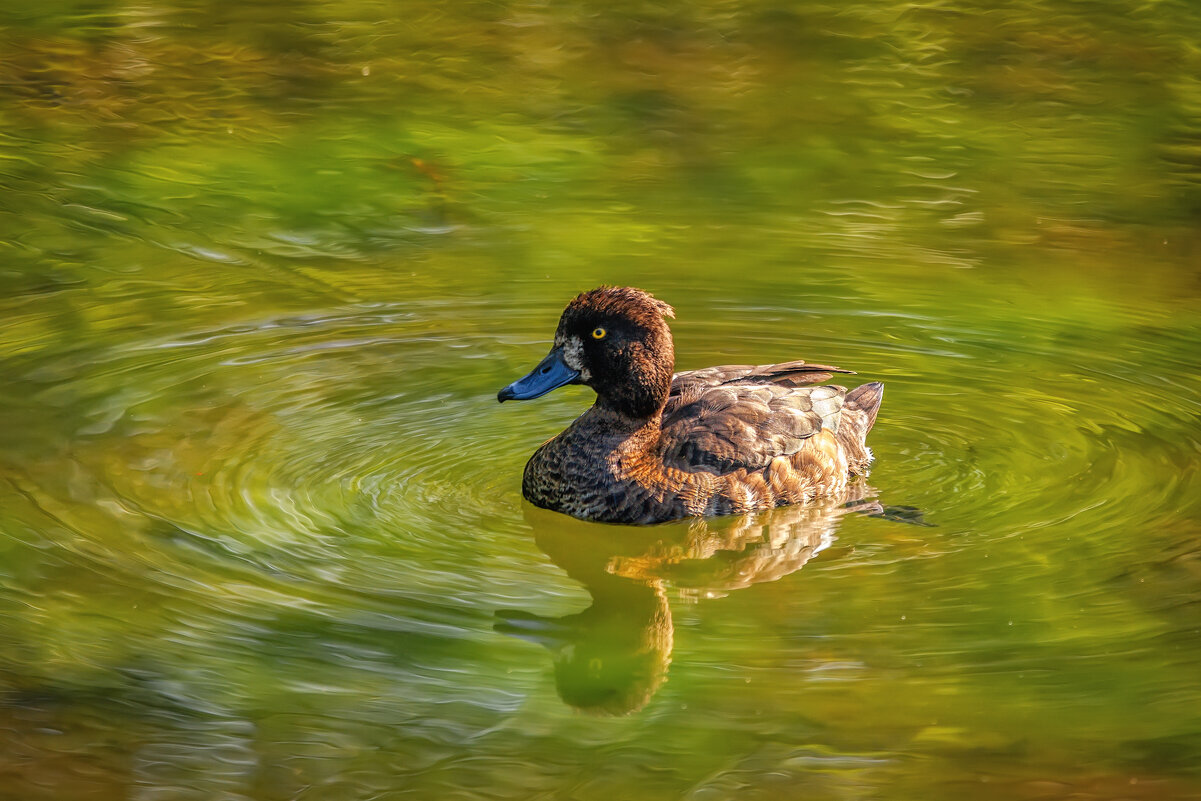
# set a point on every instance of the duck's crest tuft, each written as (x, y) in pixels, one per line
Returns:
(621, 301)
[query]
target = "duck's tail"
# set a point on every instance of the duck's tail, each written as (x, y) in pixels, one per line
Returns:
(858, 415)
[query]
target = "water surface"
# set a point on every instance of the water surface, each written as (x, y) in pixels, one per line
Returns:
(263, 270)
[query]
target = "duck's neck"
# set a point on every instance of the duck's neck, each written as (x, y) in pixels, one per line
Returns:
(619, 422)
(631, 415)
(640, 399)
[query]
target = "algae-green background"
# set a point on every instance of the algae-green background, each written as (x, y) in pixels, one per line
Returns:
(263, 267)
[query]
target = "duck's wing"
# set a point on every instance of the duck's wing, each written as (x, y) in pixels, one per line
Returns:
(745, 424)
(687, 387)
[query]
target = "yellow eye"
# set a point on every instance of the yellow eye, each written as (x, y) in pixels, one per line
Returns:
(598, 333)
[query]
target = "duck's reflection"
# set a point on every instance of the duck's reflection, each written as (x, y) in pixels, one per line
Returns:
(613, 656)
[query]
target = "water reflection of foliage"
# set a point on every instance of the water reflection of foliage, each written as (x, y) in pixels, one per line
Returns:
(226, 110)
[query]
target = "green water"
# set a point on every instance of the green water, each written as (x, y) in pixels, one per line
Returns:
(264, 266)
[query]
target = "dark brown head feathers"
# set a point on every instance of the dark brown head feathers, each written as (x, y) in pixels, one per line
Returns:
(621, 301)
(624, 347)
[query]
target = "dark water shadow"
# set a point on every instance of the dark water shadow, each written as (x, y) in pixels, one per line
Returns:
(611, 658)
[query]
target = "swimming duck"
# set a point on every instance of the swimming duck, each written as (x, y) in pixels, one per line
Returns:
(659, 445)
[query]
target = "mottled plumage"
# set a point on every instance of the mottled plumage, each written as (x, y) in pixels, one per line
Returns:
(657, 445)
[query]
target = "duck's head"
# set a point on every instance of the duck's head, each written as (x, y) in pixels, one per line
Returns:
(615, 340)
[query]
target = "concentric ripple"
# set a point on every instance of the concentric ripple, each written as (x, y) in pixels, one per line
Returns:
(348, 451)
(996, 437)
(304, 446)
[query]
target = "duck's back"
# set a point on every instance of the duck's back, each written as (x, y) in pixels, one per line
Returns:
(686, 387)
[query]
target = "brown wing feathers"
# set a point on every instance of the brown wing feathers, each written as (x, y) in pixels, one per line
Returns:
(738, 424)
(688, 386)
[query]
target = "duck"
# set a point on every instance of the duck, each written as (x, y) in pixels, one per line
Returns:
(659, 445)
